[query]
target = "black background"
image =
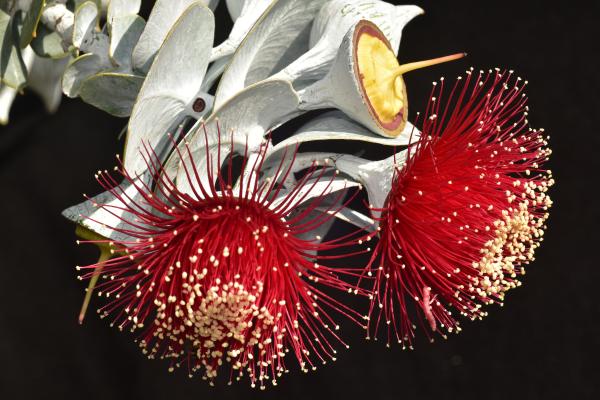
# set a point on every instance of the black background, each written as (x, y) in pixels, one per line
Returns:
(542, 345)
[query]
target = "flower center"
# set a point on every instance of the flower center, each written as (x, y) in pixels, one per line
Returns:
(232, 264)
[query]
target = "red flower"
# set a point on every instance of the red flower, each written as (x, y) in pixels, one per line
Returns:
(465, 213)
(224, 276)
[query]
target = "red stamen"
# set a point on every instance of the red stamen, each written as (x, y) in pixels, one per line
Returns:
(221, 277)
(466, 212)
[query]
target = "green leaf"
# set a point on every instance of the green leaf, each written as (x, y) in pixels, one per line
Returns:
(48, 44)
(12, 68)
(112, 92)
(31, 21)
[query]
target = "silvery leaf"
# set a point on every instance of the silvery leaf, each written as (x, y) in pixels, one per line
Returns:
(7, 97)
(214, 72)
(171, 84)
(327, 205)
(212, 4)
(30, 22)
(251, 12)
(248, 116)
(335, 125)
(122, 8)
(48, 43)
(221, 55)
(297, 161)
(101, 4)
(333, 22)
(278, 37)
(45, 80)
(162, 18)
(112, 92)
(376, 176)
(8, 94)
(125, 32)
(258, 109)
(13, 70)
(78, 71)
(355, 218)
(102, 221)
(234, 7)
(86, 19)
(311, 189)
(316, 235)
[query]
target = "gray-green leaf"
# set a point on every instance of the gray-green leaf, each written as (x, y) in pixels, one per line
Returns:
(122, 8)
(112, 92)
(86, 19)
(172, 82)
(7, 96)
(44, 79)
(78, 71)
(12, 68)
(164, 15)
(125, 32)
(30, 23)
(48, 44)
(280, 36)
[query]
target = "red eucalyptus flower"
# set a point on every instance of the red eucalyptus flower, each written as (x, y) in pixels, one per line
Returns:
(465, 213)
(225, 276)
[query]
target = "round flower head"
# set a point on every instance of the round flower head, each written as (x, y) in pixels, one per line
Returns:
(465, 213)
(224, 278)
